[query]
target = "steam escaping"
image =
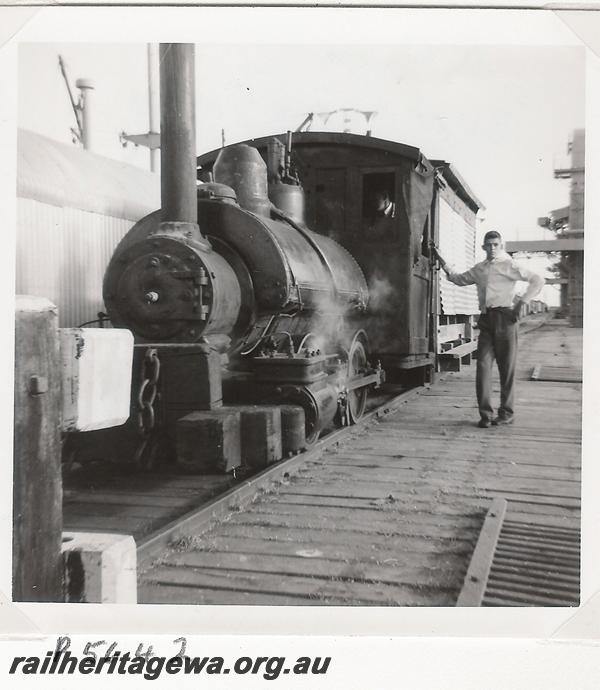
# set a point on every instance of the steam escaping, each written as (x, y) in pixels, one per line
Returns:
(333, 323)
(380, 293)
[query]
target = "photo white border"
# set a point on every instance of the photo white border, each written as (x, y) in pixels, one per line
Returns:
(320, 26)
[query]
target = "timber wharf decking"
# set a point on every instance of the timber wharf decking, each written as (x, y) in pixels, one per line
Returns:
(392, 515)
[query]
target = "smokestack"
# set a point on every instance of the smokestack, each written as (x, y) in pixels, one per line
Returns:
(86, 87)
(178, 139)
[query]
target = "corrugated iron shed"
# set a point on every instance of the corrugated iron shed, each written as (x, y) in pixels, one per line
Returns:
(73, 208)
(54, 173)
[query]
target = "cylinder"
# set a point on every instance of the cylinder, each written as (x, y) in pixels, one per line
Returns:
(178, 133)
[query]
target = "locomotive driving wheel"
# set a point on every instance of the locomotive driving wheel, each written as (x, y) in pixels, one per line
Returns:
(357, 365)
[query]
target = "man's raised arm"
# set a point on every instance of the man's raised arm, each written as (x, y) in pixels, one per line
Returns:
(466, 278)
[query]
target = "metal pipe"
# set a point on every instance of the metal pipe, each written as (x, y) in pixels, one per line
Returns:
(178, 134)
(153, 107)
(86, 87)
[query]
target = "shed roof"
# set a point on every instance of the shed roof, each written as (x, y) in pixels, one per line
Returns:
(66, 176)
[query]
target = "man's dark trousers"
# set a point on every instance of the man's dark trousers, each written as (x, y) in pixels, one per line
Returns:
(498, 339)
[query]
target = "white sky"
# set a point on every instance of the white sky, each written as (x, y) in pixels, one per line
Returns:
(502, 114)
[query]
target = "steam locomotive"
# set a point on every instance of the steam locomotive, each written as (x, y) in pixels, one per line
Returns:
(306, 316)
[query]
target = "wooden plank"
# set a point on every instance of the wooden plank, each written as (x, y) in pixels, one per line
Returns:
(460, 350)
(377, 489)
(408, 457)
(557, 374)
(451, 331)
(371, 543)
(318, 567)
(479, 568)
(114, 525)
(367, 513)
(37, 484)
(450, 481)
(130, 499)
(388, 524)
(454, 466)
(316, 588)
(149, 593)
(462, 504)
(380, 553)
(118, 511)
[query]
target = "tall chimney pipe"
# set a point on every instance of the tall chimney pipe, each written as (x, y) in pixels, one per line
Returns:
(178, 138)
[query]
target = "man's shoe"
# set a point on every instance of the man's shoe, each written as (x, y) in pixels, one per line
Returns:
(500, 420)
(484, 423)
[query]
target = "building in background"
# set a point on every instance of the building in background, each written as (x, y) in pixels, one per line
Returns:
(567, 224)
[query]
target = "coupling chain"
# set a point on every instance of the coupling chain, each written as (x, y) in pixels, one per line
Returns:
(147, 392)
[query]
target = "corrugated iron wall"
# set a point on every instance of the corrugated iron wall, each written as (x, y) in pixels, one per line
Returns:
(62, 254)
(73, 207)
(457, 246)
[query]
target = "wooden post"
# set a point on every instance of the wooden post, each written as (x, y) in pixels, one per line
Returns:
(37, 489)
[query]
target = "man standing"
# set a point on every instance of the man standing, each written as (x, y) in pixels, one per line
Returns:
(498, 328)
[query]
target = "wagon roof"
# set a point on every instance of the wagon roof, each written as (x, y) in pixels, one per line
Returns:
(451, 174)
(326, 138)
(458, 185)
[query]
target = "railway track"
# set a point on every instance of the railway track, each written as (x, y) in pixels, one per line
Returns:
(243, 493)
